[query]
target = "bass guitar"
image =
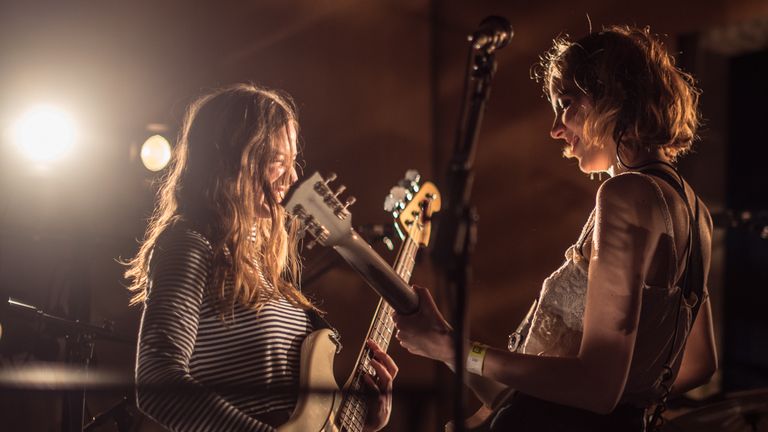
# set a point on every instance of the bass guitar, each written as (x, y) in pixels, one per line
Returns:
(323, 407)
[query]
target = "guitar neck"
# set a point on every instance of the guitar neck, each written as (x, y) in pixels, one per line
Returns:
(382, 324)
(392, 285)
(353, 410)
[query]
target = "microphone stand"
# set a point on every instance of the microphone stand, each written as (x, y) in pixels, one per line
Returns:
(456, 231)
(79, 344)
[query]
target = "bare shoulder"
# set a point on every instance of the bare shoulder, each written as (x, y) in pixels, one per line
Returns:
(631, 189)
(630, 199)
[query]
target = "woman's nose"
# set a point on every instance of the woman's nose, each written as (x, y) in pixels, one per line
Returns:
(558, 128)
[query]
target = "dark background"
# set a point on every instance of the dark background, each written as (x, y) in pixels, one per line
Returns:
(378, 85)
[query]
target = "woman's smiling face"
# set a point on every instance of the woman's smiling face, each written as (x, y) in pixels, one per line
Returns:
(572, 106)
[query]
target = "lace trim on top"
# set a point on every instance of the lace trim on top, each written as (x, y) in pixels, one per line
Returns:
(558, 322)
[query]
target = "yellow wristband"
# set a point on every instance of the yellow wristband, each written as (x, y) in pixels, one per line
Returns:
(476, 358)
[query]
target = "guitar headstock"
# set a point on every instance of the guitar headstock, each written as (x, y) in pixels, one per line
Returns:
(412, 206)
(321, 212)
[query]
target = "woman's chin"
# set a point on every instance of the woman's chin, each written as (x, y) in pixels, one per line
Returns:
(583, 165)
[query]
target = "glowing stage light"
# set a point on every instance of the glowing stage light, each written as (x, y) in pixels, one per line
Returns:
(155, 153)
(44, 133)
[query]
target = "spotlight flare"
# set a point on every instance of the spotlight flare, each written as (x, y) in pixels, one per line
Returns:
(44, 133)
(155, 153)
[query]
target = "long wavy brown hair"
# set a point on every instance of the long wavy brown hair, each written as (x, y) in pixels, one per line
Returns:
(641, 99)
(217, 184)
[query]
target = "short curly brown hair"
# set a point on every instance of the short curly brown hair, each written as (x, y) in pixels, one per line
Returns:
(641, 99)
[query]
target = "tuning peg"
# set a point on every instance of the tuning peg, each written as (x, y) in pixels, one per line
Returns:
(389, 203)
(309, 221)
(311, 245)
(411, 180)
(331, 177)
(321, 233)
(339, 190)
(396, 199)
(413, 176)
(341, 212)
(298, 211)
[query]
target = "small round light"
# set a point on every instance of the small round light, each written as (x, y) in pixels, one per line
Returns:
(44, 133)
(155, 153)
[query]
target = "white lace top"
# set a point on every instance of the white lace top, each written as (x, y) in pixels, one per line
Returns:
(557, 324)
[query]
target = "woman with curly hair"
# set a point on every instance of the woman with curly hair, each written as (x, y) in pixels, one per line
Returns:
(218, 275)
(626, 319)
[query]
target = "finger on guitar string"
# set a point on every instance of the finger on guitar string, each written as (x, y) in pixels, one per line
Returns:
(382, 378)
(373, 387)
(382, 357)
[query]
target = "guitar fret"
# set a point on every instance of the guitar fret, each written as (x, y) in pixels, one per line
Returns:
(350, 415)
(355, 414)
(343, 423)
(346, 414)
(354, 409)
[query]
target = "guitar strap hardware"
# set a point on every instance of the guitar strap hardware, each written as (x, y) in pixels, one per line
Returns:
(319, 322)
(335, 336)
(691, 283)
(516, 338)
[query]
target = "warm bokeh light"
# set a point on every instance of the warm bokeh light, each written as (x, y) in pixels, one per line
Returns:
(155, 153)
(44, 133)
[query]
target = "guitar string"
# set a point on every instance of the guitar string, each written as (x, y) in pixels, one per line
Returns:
(383, 319)
(384, 313)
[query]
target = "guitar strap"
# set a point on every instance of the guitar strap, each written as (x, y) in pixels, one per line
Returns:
(691, 282)
(692, 279)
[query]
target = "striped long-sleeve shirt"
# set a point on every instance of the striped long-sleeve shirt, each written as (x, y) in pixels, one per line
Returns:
(195, 372)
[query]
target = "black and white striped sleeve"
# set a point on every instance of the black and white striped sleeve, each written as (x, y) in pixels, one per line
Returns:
(179, 271)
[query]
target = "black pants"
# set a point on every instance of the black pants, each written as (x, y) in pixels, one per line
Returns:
(525, 413)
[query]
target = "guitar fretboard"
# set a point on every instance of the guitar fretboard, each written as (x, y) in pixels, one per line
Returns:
(354, 408)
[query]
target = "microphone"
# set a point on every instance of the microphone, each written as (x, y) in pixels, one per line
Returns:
(494, 33)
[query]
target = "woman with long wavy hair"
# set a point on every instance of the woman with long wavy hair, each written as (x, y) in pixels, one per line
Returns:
(625, 321)
(218, 274)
